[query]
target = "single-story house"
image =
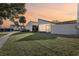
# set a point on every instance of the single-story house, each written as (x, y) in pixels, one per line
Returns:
(41, 26)
(44, 25)
(14, 27)
(32, 26)
(65, 28)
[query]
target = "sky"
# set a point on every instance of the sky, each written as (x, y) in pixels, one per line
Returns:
(49, 11)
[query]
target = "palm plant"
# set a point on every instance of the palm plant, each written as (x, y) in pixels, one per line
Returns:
(22, 20)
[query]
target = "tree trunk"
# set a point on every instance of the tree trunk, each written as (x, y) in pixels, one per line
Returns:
(0, 26)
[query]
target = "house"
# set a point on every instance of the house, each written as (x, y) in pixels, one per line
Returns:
(65, 28)
(44, 25)
(32, 26)
(41, 26)
(12, 26)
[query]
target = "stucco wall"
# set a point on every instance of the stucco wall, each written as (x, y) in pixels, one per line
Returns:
(44, 26)
(29, 26)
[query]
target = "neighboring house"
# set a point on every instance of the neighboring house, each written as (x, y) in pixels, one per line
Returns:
(65, 28)
(44, 25)
(32, 26)
(14, 27)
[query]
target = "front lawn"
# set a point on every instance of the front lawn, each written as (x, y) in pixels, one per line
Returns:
(40, 44)
(3, 33)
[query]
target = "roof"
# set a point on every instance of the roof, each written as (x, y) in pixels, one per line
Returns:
(12, 25)
(66, 22)
(31, 22)
(44, 20)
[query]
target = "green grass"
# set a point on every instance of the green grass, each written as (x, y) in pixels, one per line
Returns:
(3, 33)
(40, 44)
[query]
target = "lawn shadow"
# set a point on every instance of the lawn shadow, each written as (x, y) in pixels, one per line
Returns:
(67, 36)
(19, 33)
(38, 36)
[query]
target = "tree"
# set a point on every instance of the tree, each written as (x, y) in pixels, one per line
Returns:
(16, 24)
(22, 20)
(1, 22)
(11, 10)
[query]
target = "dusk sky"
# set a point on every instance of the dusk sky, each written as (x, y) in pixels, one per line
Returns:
(50, 11)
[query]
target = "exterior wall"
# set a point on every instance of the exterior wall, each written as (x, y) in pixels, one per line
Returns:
(66, 29)
(1, 26)
(44, 26)
(15, 28)
(29, 26)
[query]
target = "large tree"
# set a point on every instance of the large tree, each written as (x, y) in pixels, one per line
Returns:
(11, 10)
(1, 22)
(22, 20)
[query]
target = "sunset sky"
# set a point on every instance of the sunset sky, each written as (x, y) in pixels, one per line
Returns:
(50, 11)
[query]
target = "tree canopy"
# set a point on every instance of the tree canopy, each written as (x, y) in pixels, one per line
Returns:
(11, 10)
(22, 19)
(1, 21)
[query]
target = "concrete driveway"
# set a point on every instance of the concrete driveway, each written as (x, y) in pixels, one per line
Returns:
(4, 38)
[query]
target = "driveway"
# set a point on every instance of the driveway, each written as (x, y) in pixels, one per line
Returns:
(4, 38)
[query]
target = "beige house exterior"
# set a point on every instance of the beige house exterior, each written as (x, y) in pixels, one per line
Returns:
(65, 28)
(44, 25)
(29, 26)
